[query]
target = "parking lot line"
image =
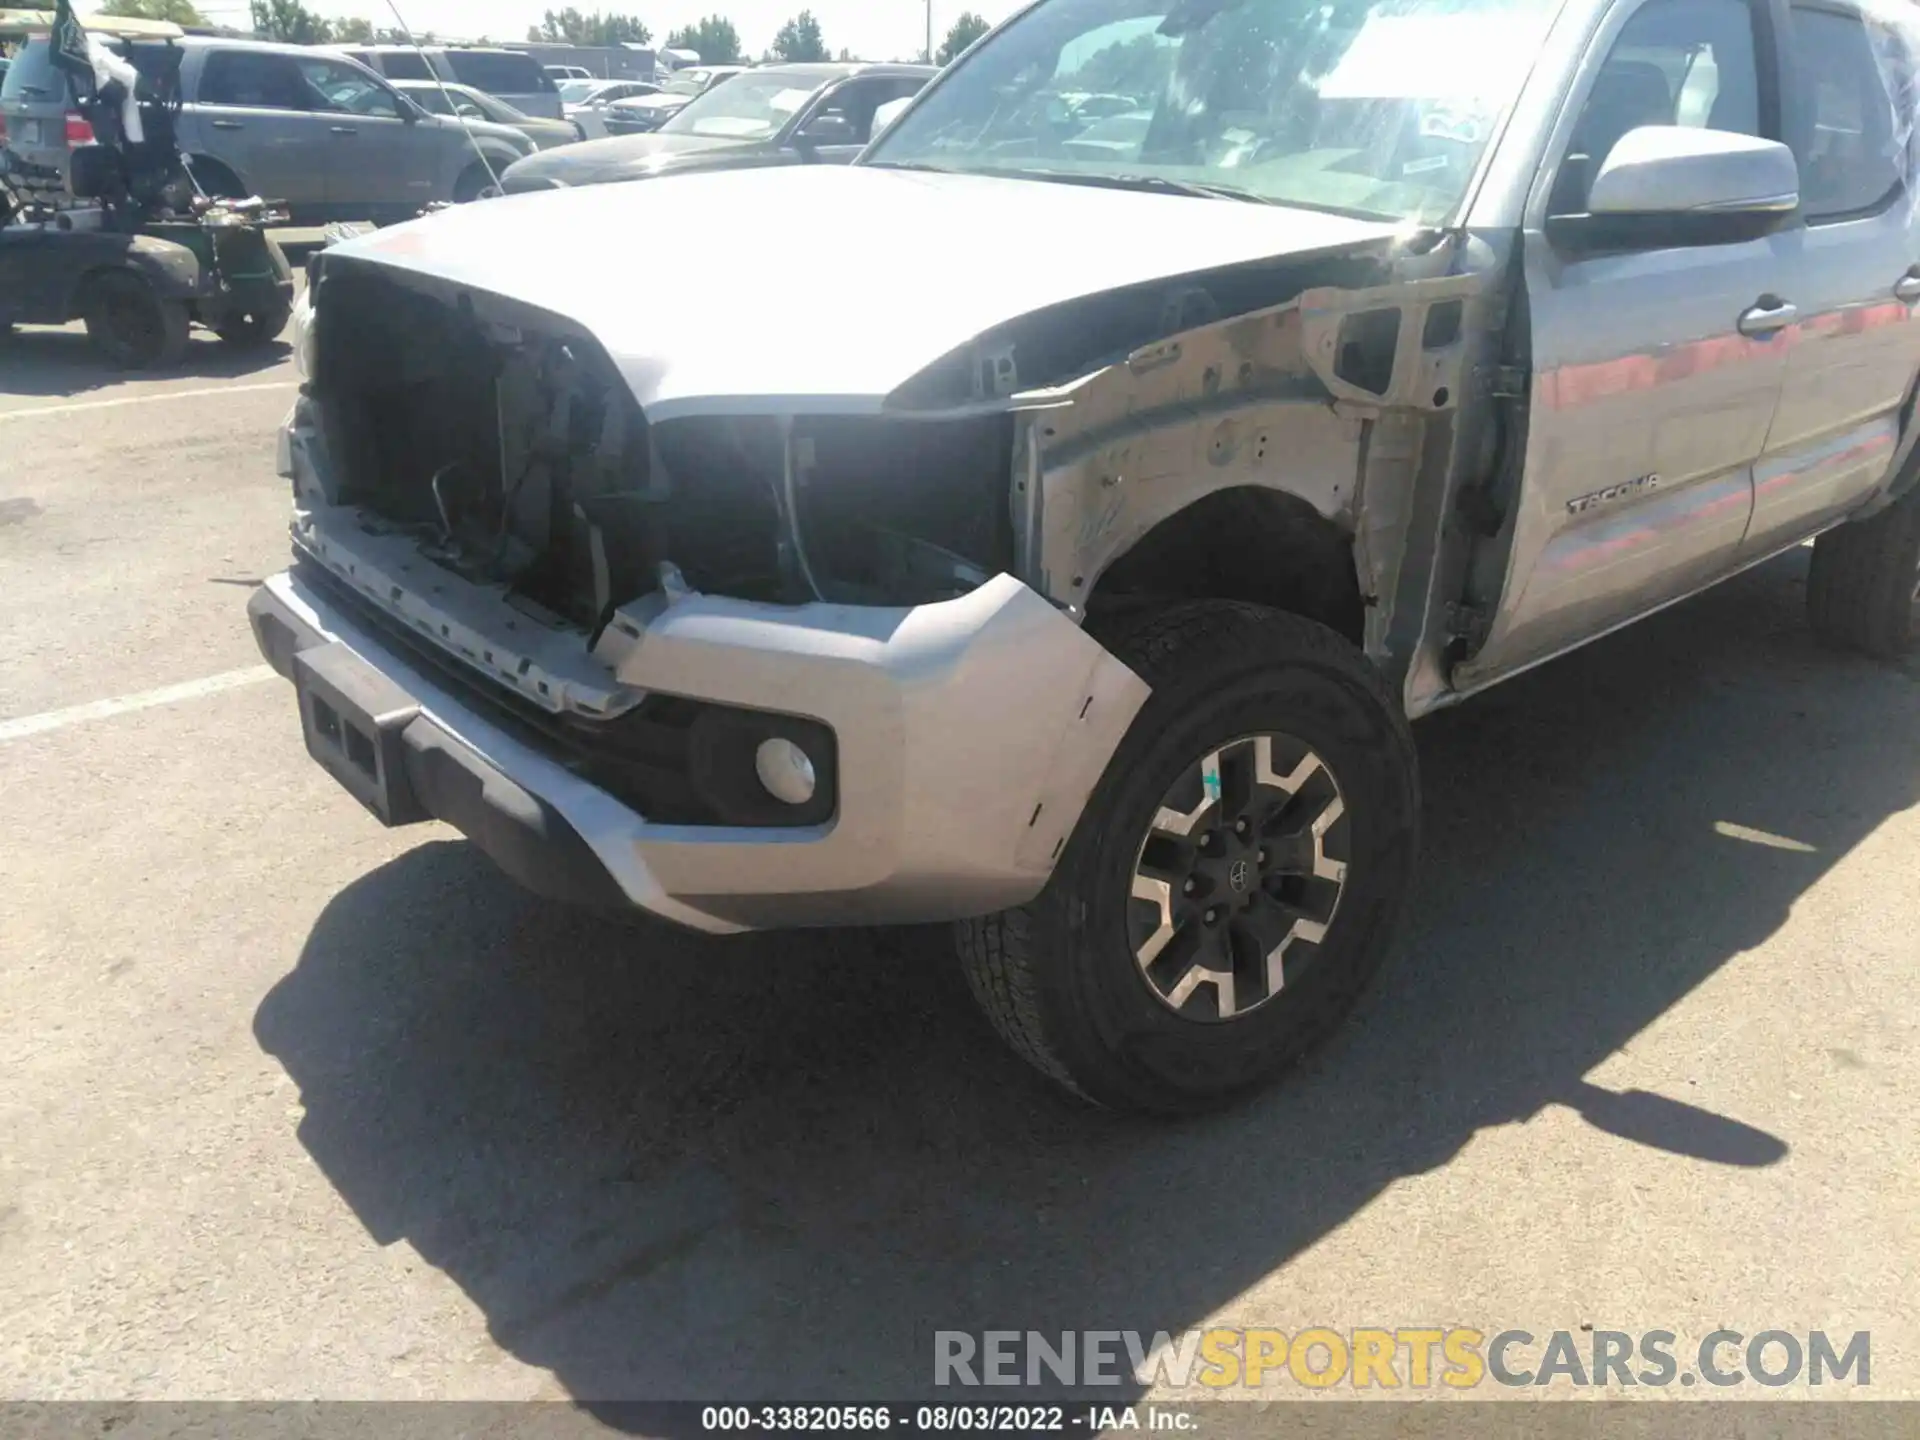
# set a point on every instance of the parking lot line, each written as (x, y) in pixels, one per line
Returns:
(146, 700)
(76, 406)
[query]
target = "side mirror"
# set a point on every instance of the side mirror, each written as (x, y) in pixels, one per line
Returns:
(471, 112)
(829, 128)
(1666, 185)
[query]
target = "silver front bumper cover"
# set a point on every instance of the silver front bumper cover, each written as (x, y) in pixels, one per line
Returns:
(970, 734)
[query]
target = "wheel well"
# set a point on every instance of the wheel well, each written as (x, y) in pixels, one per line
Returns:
(482, 171)
(212, 174)
(1261, 546)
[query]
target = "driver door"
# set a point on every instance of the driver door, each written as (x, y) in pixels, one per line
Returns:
(1656, 374)
(249, 110)
(379, 153)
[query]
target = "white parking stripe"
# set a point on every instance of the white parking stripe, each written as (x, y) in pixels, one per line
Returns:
(76, 406)
(145, 700)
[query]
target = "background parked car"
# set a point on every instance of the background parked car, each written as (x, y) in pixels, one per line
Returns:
(1085, 109)
(604, 92)
(773, 115)
(309, 127)
(888, 113)
(563, 73)
(650, 112)
(511, 75)
(586, 101)
(440, 97)
(1118, 137)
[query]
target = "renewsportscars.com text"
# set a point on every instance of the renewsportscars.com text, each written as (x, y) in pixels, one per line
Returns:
(1400, 1357)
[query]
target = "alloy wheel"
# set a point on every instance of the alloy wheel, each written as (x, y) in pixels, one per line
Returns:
(1239, 877)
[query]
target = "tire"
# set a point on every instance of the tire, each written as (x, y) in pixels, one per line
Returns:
(132, 327)
(1065, 980)
(251, 329)
(1863, 588)
(475, 183)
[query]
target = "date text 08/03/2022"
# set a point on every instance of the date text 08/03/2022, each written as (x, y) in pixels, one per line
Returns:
(943, 1419)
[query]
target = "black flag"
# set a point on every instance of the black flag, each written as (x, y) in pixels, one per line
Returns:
(70, 42)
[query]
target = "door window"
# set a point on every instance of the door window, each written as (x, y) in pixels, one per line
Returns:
(855, 102)
(1677, 62)
(499, 73)
(346, 87)
(1851, 158)
(404, 65)
(253, 79)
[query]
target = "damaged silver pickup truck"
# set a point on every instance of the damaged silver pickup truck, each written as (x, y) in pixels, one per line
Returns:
(1051, 525)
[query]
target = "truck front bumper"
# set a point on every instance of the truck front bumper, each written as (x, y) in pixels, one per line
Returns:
(969, 736)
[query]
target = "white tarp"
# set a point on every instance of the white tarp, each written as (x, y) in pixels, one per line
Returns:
(107, 67)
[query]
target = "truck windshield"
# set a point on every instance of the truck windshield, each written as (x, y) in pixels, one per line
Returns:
(747, 107)
(1379, 108)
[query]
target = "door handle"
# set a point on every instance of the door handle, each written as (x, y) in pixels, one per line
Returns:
(227, 125)
(343, 130)
(1907, 287)
(1767, 315)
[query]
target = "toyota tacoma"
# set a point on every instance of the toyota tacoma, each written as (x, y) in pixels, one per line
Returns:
(1054, 533)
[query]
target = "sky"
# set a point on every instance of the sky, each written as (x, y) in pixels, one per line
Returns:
(872, 29)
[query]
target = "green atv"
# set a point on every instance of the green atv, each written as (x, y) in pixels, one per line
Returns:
(140, 293)
(144, 254)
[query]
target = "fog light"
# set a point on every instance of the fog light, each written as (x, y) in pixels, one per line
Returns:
(783, 767)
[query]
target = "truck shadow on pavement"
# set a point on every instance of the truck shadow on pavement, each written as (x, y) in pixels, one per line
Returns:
(667, 1167)
(61, 365)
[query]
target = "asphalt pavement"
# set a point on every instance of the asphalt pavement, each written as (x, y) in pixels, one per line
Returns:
(294, 1106)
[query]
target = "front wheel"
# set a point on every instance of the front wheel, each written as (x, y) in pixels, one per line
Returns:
(256, 325)
(1863, 587)
(1236, 879)
(132, 327)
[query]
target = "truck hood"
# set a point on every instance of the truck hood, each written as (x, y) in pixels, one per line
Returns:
(823, 289)
(625, 157)
(507, 135)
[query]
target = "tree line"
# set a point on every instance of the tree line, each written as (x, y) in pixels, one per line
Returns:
(715, 39)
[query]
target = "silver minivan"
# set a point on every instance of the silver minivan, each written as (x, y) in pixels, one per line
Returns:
(509, 75)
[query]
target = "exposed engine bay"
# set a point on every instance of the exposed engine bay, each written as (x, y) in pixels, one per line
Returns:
(1098, 449)
(507, 443)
